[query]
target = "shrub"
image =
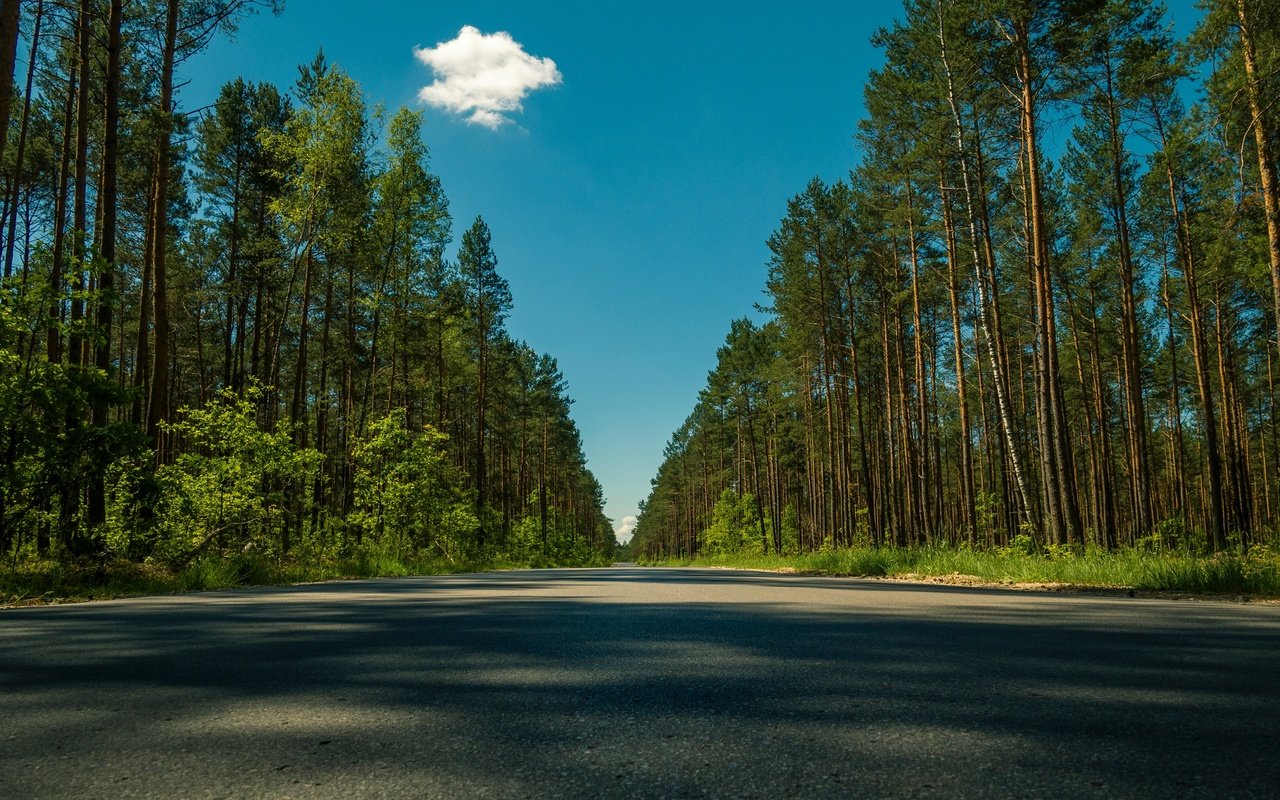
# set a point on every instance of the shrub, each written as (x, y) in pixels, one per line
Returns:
(227, 488)
(734, 523)
(407, 496)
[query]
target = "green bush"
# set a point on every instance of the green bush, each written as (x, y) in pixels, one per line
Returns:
(735, 525)
(407, 496)
(228, 488)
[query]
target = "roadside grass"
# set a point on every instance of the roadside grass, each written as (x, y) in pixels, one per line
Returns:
(1254, 574)
(43, 582)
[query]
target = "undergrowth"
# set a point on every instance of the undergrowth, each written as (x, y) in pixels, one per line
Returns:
(36, 582)
(1256, 573)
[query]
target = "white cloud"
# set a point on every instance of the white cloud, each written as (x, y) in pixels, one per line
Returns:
(484, 75)
(623, 531)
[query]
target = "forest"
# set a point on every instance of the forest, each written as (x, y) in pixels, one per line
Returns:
(233, 336)
(1040, 312)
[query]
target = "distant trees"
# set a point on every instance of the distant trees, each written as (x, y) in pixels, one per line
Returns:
(239, 331)
(978, 336)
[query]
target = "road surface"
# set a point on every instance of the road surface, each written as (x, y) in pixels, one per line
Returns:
(631, 682)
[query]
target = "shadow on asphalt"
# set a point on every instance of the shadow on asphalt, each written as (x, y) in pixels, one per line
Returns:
(1134, 698)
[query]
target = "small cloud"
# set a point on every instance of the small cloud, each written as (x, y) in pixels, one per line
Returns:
(484, 75)
(624, 531)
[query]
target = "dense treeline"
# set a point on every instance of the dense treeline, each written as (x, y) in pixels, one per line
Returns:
(1041, 310)
(236, 331)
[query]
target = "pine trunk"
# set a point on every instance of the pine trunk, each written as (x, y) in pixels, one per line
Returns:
(106, 278)
(158, 404)
(1266, 163)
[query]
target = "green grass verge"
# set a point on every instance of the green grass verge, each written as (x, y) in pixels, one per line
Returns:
(33, 583)
(1256, 574)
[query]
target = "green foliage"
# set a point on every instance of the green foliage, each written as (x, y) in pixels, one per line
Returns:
(133, 495)
(1256, 573)
(1020, 544)
(735, 525)
(408, 497)
(305, 279)
(50, 449)
(321, 156)
(487, 292)
(790, 530)
(1174, 534)
(987, 507)
(228, 488)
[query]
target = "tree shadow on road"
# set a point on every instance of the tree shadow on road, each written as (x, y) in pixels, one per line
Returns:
(515, 683)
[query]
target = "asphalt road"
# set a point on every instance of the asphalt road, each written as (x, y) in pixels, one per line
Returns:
(630, 682)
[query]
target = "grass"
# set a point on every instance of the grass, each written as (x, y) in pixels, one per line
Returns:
(40, 582)
(1256, 574)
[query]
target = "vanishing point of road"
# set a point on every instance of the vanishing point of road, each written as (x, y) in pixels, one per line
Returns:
(630, 682)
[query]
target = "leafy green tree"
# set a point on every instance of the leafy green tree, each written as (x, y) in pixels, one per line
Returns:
(284, 261)
(734, 522)
(409, 230)
(238, 181)
(212, 496)
(408, 496)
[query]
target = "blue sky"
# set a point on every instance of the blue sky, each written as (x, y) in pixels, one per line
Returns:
(630, 203)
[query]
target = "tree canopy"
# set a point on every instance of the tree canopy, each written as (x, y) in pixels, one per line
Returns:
(985, 334)
(236, 332)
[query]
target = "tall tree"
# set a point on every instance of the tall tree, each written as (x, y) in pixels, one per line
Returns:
(488, 299)
(1258, 23)
(108, 202)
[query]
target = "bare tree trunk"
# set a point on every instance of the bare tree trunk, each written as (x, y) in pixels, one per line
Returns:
(1093, 408)
(1061, 480)
(158, 404)
(482, 478)
(755, 473)
(297, 406)
(70, 490)
(232, 289)
(322, 410)
(1266, 163)
(909, 472)
(142, 348)
(1275, 439)
(874, 508)
(80, 212)
(9, 16)
(922, 475)
(58, 254)
(965, 483)
(997, 372)
(1130, 342)
(831, 498)
(1176, 446)
(106, 279)
(1217, 528)
(20, 155)
(1106, 517)
(1234, 434)
(367, 399)
(542, 487)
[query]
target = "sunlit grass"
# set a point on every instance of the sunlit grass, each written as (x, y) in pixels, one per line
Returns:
(1255, 574)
